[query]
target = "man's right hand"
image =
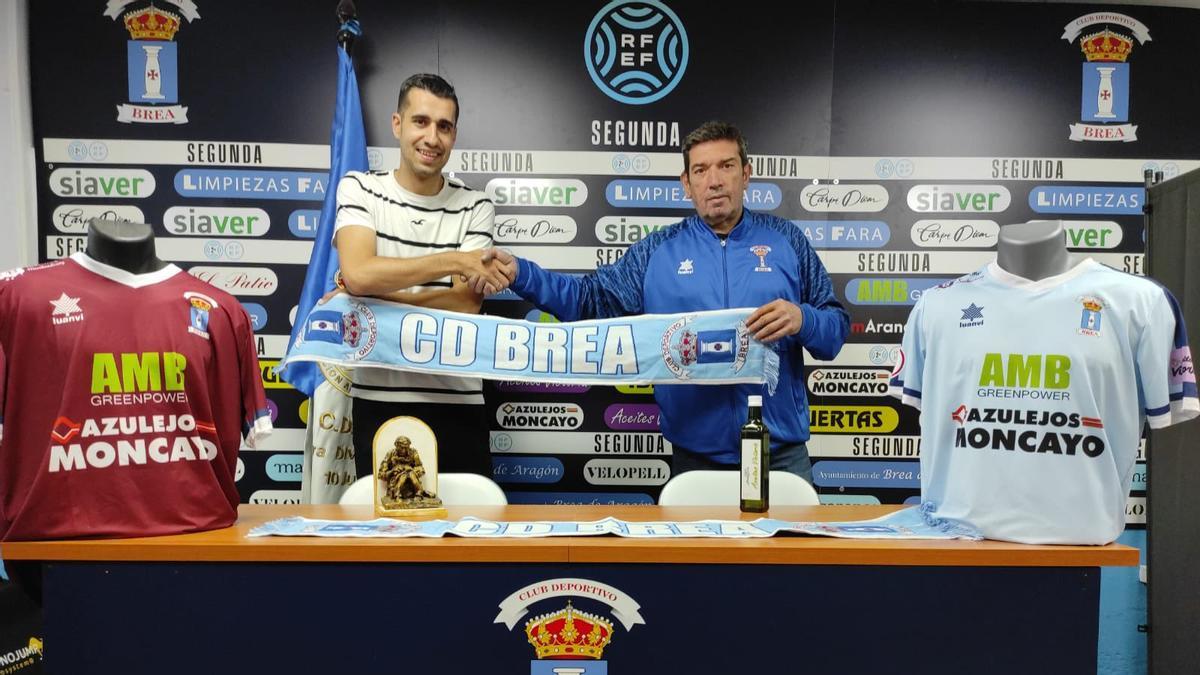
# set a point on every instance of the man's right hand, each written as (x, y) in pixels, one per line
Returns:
(482, 272)
(498, 261)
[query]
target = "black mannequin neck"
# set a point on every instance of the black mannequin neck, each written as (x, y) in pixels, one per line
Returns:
(126, 246)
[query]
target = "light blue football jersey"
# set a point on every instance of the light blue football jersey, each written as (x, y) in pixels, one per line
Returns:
(1034, 394)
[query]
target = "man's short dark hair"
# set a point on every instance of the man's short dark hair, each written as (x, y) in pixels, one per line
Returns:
(431, 83)
(714, 131)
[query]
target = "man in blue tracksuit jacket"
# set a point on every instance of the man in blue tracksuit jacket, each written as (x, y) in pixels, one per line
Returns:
(723, 257)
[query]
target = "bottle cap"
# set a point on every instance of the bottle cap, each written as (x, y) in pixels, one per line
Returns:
(756, 401)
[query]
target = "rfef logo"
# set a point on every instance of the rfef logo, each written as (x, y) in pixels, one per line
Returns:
(1107, 42)
(153, 61)
(636, 50)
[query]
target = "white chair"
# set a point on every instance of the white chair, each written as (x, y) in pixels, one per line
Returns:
(721, 488)
(454, 489)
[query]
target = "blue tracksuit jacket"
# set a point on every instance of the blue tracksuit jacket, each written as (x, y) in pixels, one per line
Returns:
(687, 267)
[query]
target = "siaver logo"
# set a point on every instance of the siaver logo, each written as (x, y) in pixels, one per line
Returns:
(539, 416)
(238, 280)
(621, 230)
(1093, 234)
(958, 198)
(842, 198)
(102, 183)
(636, 50)
(941, 233)
(560, 192)
(528, 229)
(626, 472)
(849, 382)
(73, 218)
(845, 233)
(216, 221)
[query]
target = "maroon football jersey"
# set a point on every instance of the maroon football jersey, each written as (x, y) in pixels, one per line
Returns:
(125, 397)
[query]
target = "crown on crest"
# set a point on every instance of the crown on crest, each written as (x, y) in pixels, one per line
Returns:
(1106, 46)
(568, 634)
(151, 23)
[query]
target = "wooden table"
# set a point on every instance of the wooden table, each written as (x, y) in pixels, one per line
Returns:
(220, 602)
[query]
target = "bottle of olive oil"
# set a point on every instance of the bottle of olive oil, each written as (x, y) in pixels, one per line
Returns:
(756, 460)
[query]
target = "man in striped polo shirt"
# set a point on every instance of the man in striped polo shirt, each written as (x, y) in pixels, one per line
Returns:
(412, 235)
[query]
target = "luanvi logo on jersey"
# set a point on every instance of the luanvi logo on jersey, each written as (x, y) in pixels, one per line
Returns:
(972, 315)
(1057, 432)
(153, 58)
(568, 639)
(1107, 42)
(636, 50)
(66, 310)
(539, 416)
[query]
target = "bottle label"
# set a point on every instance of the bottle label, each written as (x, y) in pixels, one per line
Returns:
(752, 469)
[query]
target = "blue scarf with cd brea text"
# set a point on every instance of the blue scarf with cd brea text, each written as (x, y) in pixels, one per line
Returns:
(711, 347)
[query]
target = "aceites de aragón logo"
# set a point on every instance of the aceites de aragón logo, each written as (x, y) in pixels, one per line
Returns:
(1104, 38)
(567, 639)
(636, 50)
(153, 60)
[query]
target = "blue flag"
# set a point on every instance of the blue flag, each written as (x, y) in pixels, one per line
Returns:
(348, 152)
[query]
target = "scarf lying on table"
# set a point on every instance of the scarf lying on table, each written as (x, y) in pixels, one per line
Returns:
(711, 347)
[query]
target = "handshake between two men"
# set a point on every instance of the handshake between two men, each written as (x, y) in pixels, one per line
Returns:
(495, 271)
